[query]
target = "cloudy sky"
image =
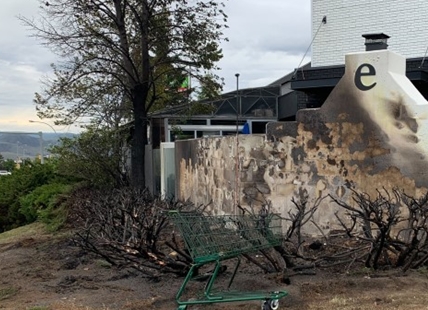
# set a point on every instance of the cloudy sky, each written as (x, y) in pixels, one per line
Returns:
(267, 39)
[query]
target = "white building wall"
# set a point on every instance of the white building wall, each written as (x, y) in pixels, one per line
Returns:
(405, 21)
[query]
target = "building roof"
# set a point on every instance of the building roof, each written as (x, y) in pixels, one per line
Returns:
(248, 103)
(329, 76)
(288, 77)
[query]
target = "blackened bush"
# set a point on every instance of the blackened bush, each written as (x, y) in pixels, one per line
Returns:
(126, 227)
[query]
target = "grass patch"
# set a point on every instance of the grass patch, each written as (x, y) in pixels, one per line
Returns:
(423, 270)
(8, 292)
(33, 230)
(342, 302)
(37, 231)
(103, 263)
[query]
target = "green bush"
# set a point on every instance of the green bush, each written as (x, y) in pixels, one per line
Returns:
(46, 204)
(17, 188)
(13, 187)
(97, 156)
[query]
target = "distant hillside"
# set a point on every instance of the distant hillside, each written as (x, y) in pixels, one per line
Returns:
(30, 140)
(56, 136)
(13, 145)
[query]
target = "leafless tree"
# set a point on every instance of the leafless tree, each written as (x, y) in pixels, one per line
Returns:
(128, 228)
(394, 224)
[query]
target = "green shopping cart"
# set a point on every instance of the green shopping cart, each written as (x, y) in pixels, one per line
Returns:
(212, 239)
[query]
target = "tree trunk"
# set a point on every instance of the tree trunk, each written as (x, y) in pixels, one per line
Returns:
(139, 96)
(139, 139)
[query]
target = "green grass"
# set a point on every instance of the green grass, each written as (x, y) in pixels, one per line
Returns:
(103, 263)
(33, 230)
(8, 292)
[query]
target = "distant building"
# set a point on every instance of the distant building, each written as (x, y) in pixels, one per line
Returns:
(252, 106)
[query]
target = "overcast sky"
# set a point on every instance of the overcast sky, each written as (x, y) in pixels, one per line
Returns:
(267, 39)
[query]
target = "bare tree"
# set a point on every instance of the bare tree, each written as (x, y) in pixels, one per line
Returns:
(377, 217)
(393, 224)
(412, 241)
(128, 228)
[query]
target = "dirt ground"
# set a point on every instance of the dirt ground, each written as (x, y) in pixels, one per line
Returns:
(44, 272)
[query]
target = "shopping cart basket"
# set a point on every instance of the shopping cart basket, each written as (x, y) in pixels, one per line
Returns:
(213, 238)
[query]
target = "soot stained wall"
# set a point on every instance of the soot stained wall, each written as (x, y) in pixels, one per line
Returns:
(371, 133)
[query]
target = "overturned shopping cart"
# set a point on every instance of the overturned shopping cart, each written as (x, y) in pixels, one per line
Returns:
(212, 239)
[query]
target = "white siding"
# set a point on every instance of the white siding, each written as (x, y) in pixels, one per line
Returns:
(405, 21)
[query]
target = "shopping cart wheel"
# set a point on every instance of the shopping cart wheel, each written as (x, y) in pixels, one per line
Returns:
(270, 304)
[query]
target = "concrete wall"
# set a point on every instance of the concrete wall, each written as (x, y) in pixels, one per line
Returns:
(347, 20)
(371, 133)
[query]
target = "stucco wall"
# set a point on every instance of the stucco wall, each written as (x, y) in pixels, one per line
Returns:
(370, 134)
